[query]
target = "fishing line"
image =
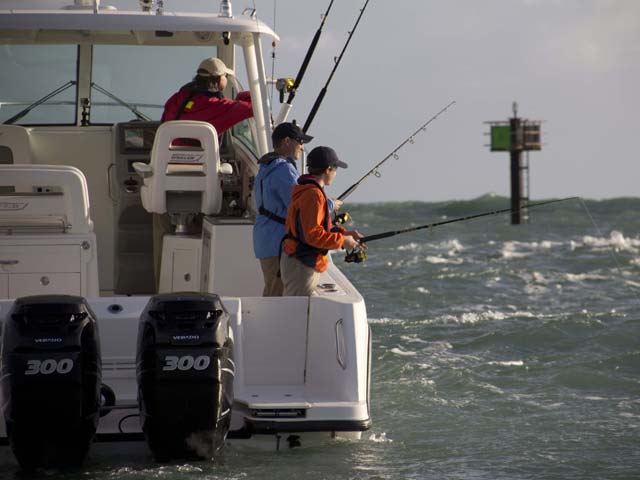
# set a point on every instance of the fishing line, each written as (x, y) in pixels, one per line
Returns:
(358, 255)
(612, 251)
(341, 218)
(394, 153)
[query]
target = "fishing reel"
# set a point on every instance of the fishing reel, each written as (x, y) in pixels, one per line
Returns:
(357, 255)
(284, 85)
(341, 218)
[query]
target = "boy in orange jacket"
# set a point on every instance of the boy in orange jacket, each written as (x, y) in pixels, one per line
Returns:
(309, 233)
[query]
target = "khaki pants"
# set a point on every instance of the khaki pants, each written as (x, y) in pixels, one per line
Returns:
(298, 279)
(272, 282)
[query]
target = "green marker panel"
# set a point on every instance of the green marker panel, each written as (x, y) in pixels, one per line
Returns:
(500, 138)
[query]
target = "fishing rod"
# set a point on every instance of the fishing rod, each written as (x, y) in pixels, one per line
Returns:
(394, 154)
(357, 255)
(284, 84)
(323, 92)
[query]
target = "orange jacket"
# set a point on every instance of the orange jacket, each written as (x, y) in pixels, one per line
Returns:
(309, 232)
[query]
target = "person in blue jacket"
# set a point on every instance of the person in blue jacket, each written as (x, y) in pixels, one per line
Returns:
(272, 192)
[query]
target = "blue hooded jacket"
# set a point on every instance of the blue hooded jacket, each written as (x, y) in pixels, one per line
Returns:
(276, 178)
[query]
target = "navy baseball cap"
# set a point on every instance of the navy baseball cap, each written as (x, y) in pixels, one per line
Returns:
(323, 157)
(290, 130)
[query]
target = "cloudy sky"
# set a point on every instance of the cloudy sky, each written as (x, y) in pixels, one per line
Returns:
(574, 64)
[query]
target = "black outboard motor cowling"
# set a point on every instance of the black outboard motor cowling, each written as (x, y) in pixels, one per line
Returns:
(185, 375)
(51, 376)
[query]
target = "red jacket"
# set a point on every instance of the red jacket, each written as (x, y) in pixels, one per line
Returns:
(222, 113)
(310, 234)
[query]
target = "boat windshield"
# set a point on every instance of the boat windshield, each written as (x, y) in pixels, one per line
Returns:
(130, 78)
(33, 72)
(40, 82)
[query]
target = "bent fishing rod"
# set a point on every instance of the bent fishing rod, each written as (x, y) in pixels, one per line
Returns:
(358, 256)
(284, 110)
(394, 153)
(323, 92)
(341, 218)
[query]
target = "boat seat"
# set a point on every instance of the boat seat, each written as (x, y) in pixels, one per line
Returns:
(66, 205)
(183, 179)
(15, 145)
(47, 243)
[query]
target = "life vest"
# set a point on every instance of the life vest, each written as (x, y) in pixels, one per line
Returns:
(304, 252)
(193, 91)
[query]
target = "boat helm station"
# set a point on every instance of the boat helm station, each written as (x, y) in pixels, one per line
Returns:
(90, 320)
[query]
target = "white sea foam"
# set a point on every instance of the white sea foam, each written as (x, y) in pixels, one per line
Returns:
(537, 277)
(412, 339)
(382, 438)
(491, 388)
(616, 240)
(629, 415)
(409, 246)
(581, 277)
(515, 249)
(473, 317)
(453, 247)
(509, 363)
(440, 260)
(401, 352)
(484, 315)
(386, 321)
(449, 248)
(509, 251)
(423, 366)
(408, 262)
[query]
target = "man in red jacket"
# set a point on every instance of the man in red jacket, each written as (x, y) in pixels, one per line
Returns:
(309, 233)
(202, 99)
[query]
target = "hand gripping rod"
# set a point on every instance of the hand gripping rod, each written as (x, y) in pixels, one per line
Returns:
(394, 153)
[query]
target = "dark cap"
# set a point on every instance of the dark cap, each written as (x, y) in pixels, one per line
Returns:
(323, 157)
(290, 130)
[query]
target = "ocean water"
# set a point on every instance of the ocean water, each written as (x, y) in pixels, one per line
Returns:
(499, 352)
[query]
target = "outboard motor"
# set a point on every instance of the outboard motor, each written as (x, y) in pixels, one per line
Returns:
(51, 376)
(185, 375)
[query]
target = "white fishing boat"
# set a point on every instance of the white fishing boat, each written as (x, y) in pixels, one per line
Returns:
(92, 350)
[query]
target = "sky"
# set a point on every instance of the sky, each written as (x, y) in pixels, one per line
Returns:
(572, 64)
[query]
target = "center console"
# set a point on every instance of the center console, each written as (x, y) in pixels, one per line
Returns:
(133, 224)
